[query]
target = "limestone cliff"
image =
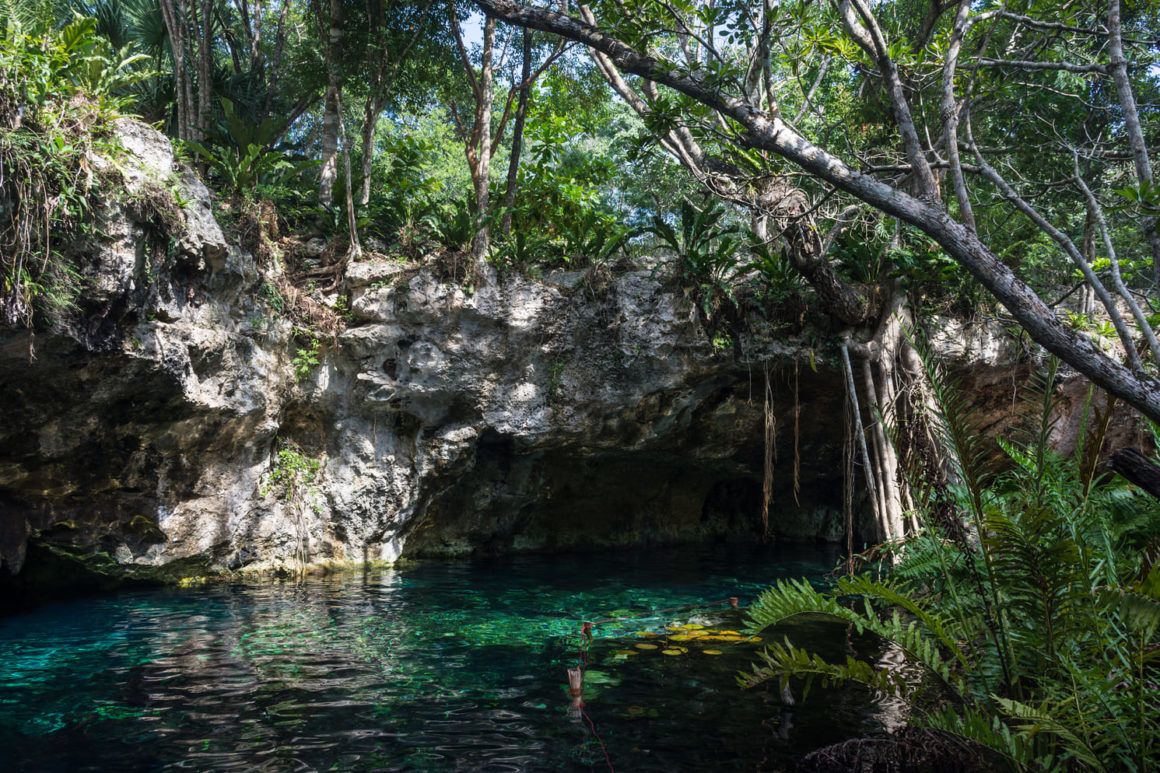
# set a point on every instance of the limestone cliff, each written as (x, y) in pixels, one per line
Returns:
(147, 437)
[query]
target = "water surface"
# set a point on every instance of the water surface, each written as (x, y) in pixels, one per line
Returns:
(437, 666)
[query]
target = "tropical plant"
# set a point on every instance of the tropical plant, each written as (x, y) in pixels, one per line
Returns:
(243, 154)
(453, 225)
(1034, 623)
(593, 237)
(306, 360)
(59, 92)
(705, 251)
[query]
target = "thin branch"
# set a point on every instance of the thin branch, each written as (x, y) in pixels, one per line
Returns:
(1097, 213)
(1024, 64)
(1068, 246)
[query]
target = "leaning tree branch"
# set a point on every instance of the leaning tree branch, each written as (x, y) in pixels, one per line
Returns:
(1138, 469)
(1119, 69)
(1069, 248)
(772, 133)
(1097, 213)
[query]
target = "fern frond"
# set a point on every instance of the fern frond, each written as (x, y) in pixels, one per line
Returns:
(790, 598)
(1032, 721)
(783, 661)
(986, 729)
(935, 623)
(1141, 612)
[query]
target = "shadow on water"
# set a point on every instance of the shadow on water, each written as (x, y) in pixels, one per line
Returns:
(439, 666)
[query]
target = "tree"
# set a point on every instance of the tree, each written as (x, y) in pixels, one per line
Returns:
(709, 95)
(385, 58)
(481, 140)
(330, 25)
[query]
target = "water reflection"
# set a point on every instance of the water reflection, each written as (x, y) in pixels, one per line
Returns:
(437, 667)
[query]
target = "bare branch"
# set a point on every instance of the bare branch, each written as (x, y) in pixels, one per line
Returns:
(1023, 64)
(1097, 213)
(1119, 69)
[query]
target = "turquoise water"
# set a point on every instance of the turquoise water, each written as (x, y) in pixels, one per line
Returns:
(438, 666)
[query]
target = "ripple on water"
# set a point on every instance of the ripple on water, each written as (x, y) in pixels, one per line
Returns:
(436, 667)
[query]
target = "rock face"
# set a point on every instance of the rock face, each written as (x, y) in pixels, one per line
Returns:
(165, 432)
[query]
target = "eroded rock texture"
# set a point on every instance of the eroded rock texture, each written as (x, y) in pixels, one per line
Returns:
(530, 415)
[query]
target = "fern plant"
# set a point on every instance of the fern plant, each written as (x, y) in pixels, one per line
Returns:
(706, 251)
(1037, 624)
(243, 154)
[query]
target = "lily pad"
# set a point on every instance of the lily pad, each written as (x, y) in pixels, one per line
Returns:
(644, 646)
(711, 652)
(670, 652)
(627, 652)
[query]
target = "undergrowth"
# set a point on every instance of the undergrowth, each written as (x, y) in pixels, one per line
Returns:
(58, 96)
(1035, 626)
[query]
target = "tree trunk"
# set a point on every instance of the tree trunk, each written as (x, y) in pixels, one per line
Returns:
(330, 116)
(482, 136)
(1119, 68)
(509, 192)
(276, 65)
(173, 13)
(1137, 468)
(371, 111)
(354, 251)
(205, 69)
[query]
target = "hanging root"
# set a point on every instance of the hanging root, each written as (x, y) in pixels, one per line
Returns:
(770, 445)
(860, 436)
(848, 479)
(797, 461)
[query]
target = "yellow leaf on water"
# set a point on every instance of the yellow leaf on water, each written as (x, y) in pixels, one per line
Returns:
(643, 646)
(627, 652)
(670, 652)
(711, 652)
(646, 634)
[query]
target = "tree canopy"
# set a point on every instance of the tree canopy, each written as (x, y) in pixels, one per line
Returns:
(892, 158)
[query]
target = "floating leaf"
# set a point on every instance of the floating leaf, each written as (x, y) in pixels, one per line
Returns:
(643, 646)
(670, 652)
(627, 652)
(646, 634)
(711, 652)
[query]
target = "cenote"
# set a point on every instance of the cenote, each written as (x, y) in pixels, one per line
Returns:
(453, 665)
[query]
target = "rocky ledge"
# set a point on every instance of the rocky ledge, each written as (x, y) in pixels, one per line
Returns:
(167, 431)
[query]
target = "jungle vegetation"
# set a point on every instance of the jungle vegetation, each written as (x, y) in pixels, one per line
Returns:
(849, 166)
